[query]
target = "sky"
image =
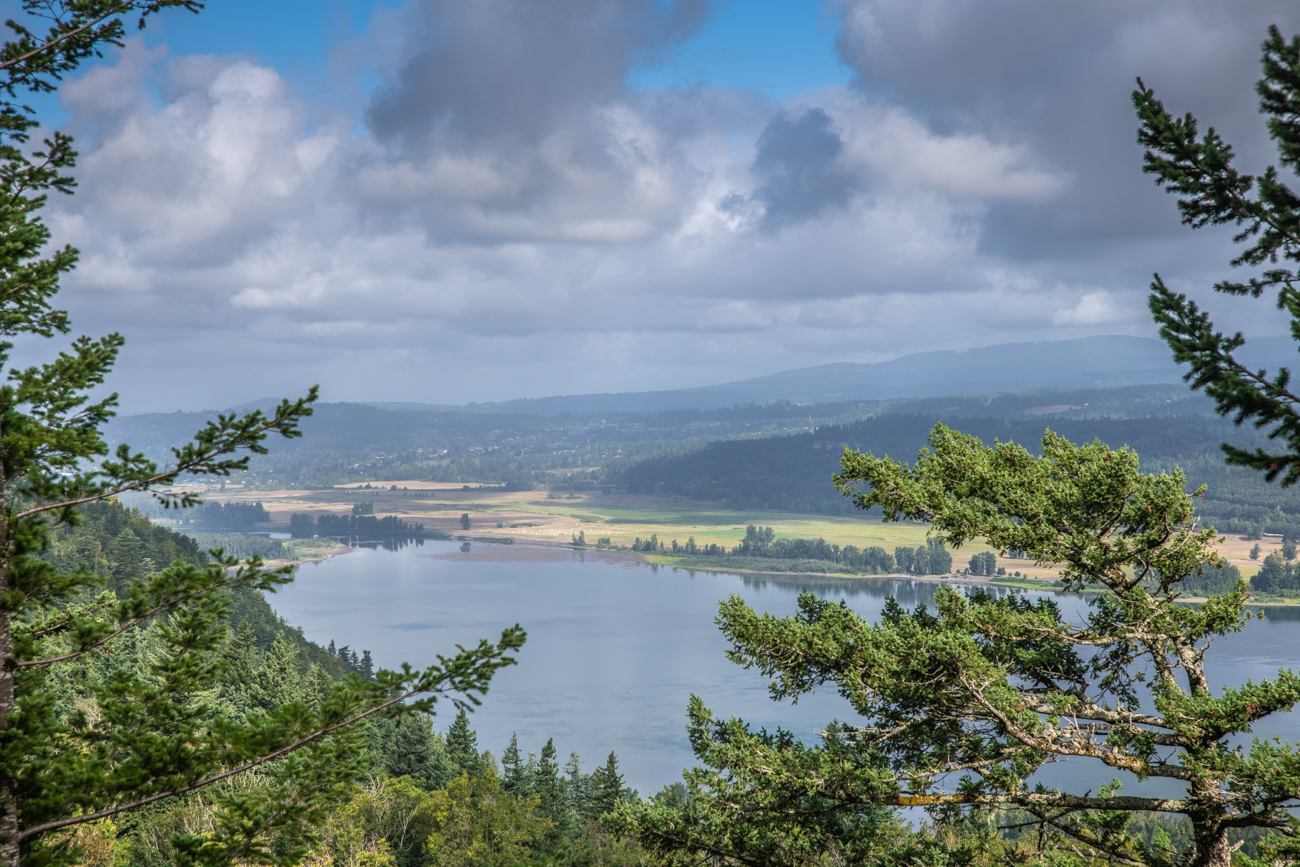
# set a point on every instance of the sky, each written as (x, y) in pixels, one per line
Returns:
(447, 202)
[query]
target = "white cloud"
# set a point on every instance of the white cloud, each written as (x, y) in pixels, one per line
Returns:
(899, 152)
(1095, 308)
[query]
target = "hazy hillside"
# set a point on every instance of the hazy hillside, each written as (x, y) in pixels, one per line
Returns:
(346, 442)
(1090, 362)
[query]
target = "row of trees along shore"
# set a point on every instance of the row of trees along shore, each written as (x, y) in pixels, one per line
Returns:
(137, 726)
(760, 543)
(306, 525)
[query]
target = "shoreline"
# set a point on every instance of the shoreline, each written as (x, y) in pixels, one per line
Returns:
(674, 563)
(336, 551)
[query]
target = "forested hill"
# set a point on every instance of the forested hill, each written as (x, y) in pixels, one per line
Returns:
(793, 473)
(119, 544)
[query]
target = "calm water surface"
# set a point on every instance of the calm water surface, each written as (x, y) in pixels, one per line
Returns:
(616, 647)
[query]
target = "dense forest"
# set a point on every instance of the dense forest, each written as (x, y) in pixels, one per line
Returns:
(120, 544)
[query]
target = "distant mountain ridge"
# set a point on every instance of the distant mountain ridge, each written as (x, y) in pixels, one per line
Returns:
(1108, 361)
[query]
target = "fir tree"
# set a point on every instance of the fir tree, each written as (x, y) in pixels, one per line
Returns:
(548, 788)
(607, 790)
(577, 784)
(547, 783)
(530, 772)
(317, 686)
(462, 747)
(414, 750)
(514, 776)
(244, 657)
(125, 557)
(276, 681)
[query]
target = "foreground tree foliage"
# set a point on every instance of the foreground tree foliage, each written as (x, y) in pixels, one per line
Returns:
(1212, 191)
(150, 732)
(960, 705)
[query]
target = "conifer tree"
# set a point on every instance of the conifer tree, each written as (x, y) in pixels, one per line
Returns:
(155, 734)
(547, 785)
(317, 686)
(514, 774)
(462, 747)
(607, 790)
(126, 558)
(276, 681)
(1213, 191)
(414, 750)
(577, 784)
(553, 802)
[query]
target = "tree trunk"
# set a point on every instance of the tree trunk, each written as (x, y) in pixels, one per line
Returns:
(1212, 849)
(9, 846)
(9, 843)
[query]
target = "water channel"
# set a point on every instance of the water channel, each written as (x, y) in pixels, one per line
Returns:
(616, 647)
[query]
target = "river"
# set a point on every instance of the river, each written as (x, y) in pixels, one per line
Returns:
(616, 646)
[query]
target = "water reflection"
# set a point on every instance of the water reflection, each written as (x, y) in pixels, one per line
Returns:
(1279, 613)
(391, 543)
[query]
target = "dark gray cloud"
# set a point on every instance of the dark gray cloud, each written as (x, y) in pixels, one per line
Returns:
(1056, 76)
(520, 68)
(797, 163)
(512, 118)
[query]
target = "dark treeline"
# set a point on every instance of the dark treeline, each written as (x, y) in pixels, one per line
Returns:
(305, 525)
(792, 473)
(1277, 577)
(1215, 580)
(809, 555)
(242, 545)
(227, 516)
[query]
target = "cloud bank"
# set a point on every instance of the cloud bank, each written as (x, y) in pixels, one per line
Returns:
(505, 217)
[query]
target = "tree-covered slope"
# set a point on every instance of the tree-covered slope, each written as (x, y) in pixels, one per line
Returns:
(120, 544)
(793, 473)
